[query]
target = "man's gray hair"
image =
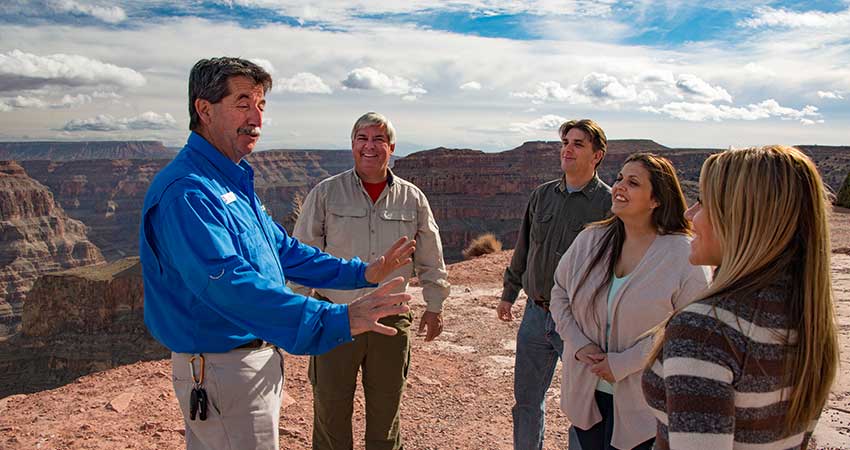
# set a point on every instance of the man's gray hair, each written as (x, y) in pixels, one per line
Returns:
(208, 80)
(373, 118)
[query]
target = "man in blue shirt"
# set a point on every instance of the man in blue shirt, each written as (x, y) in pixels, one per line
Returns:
(215, 267)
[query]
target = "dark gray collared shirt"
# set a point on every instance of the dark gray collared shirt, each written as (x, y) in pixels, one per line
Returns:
(553, 219)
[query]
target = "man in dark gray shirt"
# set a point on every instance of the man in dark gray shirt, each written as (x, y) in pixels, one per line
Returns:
(557, 211)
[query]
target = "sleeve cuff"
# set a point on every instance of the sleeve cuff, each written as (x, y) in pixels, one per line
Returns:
(362, 282)
(338, 325)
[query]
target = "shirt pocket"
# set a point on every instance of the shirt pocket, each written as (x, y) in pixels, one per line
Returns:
(345, 224)
(396, 223)
(540, 227)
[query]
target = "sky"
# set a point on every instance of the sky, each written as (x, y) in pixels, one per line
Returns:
(482, 74)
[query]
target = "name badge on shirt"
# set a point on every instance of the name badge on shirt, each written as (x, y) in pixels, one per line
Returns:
(228, 198)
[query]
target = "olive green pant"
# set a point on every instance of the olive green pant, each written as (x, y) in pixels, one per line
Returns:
(384, 361)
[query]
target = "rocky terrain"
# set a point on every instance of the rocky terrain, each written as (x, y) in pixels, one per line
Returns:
(36, 237)
(69, 151)
(76, 322)
(458, 395)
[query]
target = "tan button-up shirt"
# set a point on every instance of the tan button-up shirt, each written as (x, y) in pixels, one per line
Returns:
(339, 217)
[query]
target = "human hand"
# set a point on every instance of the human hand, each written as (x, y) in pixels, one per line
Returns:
(503, 311)
(588, 354)
(363, 313)
(396, 257)
(433, 322)
(602, 369)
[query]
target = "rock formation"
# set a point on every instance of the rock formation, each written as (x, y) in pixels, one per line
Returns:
(69, 151)
(472, 192)
(76, 322)
(36, 237)
(107, 194)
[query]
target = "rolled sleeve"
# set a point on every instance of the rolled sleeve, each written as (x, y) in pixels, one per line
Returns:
(428, 260)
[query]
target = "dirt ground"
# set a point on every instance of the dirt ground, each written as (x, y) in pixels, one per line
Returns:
(459, 393)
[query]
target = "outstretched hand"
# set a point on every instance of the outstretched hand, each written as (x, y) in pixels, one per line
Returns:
(363, 313)
(396, 257)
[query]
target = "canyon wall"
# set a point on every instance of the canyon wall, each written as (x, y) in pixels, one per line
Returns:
(36, 237)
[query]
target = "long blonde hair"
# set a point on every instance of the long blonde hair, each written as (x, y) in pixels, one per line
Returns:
(768, 210)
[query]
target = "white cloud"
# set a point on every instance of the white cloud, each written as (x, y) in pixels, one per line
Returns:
(106, 94)
(264, 63)
(336, 11)
(698, 89)
(551, 91)
(759, 70)
(607, 88)
(595, 87)
(26, 102)
(663, 77)
(29, 102)
(367, 78)
(548, 122)
(110, 14)
(104, 122)
(771, 17)
(700, 112)
(21, 71)
(470, 86)
(302, 83)
(830, 95)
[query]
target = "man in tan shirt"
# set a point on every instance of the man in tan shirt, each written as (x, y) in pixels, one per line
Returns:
(358, 214)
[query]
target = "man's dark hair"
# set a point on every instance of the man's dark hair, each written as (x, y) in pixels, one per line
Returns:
(208, 81)
(593, 131)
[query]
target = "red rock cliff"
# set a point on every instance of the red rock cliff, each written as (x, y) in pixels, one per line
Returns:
(36, 237)
(76, 322)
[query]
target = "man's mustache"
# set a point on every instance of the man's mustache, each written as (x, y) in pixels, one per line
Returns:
(250, 131)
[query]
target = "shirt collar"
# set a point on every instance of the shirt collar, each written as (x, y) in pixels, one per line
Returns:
(390, 176)
(588, 188)
(235, 172)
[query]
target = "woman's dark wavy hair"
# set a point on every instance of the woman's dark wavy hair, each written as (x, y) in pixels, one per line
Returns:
(667, 218)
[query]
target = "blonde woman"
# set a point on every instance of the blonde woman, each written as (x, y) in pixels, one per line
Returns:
(621, 278)
(750, 364)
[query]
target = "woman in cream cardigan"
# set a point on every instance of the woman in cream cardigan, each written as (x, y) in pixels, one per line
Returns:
(621, 278)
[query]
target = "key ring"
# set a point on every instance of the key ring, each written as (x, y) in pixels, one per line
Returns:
(197, 381)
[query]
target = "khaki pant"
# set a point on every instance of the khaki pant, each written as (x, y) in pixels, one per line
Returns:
(384, 361)
(244, 389)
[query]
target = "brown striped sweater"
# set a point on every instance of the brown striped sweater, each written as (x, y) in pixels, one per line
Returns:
(719, 382)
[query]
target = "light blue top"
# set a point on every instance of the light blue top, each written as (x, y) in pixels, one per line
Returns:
(213, 263)
(616, 284)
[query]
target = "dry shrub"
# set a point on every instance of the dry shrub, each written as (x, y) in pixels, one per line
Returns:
(482, 245)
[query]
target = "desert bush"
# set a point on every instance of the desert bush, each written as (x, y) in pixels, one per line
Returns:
(482, 245)
(843, 199)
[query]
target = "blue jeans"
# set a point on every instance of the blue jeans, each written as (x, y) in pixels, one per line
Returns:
(538, 348)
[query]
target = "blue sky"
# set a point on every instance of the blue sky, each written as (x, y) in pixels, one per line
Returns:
(486, 74)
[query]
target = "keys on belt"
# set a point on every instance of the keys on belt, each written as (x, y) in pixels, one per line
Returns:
(198, 401)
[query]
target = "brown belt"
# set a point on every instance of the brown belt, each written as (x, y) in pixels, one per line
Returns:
(543, 304)
(255, 344)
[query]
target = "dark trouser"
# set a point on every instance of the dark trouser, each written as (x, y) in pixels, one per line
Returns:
(538, 348)
(598, 437)
(384, 361)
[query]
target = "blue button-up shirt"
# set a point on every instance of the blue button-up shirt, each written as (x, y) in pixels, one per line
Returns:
(213, 263)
